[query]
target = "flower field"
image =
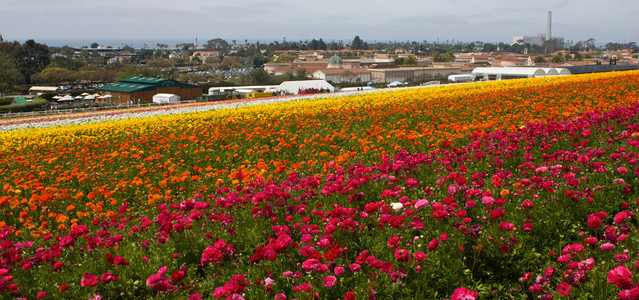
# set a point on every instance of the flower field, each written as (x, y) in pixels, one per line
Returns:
(515, 189)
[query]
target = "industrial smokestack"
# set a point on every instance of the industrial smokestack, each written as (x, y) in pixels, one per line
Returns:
(549, 26)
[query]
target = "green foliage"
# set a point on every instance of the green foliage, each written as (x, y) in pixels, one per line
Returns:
(37, 104)
(358, 44)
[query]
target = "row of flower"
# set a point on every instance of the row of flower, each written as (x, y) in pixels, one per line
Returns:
(342, 198)
(63, 119)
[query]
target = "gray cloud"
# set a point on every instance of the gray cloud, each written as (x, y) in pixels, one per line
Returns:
(488, 20)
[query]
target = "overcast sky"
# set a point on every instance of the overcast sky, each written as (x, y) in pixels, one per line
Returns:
(459, 20)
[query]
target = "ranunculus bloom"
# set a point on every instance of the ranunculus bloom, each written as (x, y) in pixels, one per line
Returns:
(433, 245)
(329, 281)
(421, 203)
(620, 217)
(89, 280)
(310, 264)
(463, 293)
(338, 271)
(593, 221)
(211, 254)
(564, 288)
(621, 277)
(607, 246)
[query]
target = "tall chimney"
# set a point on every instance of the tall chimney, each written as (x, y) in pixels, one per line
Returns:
(549, 26)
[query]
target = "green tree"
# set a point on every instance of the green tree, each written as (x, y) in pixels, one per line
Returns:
(540, 60)
(128, 49)
(94, 45)
(300, 74)
(288, 57)
(410, 60)
(448, 57)
(9, 74)
(31, 59)
(558, 59)
(218, 44)
(259, 76)
(358, 44)
(53, 75)
(488, 47)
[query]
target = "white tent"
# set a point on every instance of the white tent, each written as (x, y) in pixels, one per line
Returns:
(166, 98)
(293, 87)
(507, 73)
(563, 71)
(84, 94)
(551, 71)
(89, 97)
(66, 98)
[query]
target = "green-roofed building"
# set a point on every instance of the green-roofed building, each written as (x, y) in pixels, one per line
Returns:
(144, 88)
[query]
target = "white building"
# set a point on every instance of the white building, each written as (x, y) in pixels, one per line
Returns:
(343, 75)
(513, 73)
(294, 87)
(166, 98)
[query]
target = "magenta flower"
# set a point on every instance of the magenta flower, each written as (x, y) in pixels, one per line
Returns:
(564, 288)
(621, 277)
(463, 293)
(329, 281)
(89, 280)
(607, 246)
(310, 264)
(433, 245)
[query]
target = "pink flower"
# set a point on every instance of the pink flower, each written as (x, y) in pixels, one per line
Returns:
(329, 281)
(487, 200)
(463, 293)
(629, 294)
(607, 246)
(621, 277)
(280, 297)
(355, 268)
(195, 296)
(564, 288)
(433, 245)
(620, 217)
(310, 264)
(507, 226)
(593, 221)
(89, 280)
(421, 203)
(211, 254)
(420, 256)
(41, 294)
(338, 271)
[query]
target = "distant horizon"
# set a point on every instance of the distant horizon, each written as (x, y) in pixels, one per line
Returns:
(152, 43)
(275, 20)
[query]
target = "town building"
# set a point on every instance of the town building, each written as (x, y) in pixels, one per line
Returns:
(406, 74)
(141, 88)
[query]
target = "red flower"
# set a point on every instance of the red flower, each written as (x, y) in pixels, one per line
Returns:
(621, 277)
(349, 296)
(433, 245)
(89, 280)
(463, 293)
(593, 221)
(329, 281)
(177, 276)
(564, 288)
